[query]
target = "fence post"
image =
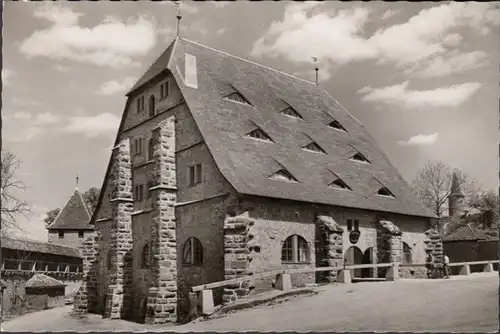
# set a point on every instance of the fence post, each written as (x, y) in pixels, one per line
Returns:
(488, 268)
(206, 299)
(393, 272)
(283, 282)
(465, 270)
(344, 276)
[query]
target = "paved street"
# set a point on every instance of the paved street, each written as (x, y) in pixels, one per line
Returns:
(460, 304)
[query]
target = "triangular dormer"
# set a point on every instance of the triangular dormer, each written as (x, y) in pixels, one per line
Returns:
(290, 112)
(360, 158)
(385, 192)
(259, 134)
(313, 147)
(339, 184)
(337, 126)
(237, 97)
(283, 174)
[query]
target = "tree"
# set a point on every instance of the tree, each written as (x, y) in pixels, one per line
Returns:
(433, 186)
(11, 205)
(91, 197)
(487, 204)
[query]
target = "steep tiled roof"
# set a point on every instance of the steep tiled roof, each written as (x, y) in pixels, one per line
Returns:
(74, 215)
(467, 232)
(247, 163)
(38, 247)
(43, 281)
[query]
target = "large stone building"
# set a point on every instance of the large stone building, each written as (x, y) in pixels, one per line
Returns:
(223, 167)
(72, 224)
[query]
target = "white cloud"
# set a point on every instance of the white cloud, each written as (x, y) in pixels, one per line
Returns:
(399, 95)
(456, 63)
(112, 43)
(6, 75)
(92, 126)
(60, 68)
(388, 14)
(420, 140)
(116, 86)
(47, 118)
(25, 102)
(221, 31)
(339, 37)
(21, 115)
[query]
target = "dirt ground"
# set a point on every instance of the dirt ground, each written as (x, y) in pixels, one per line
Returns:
(459, 304)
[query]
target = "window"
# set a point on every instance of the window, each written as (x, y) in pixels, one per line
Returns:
(140, 103)
(151, 147)
(194, 175)
(289, 111)
(61, 234)
(337, 126)
(152, 106)
(385, 192)
(80, 234)
(314, 148)
(137, 146)
(339, 184)
(356, 224)
(192, 252)
(237, 97)
(164, 90)
(359, 157)
(259, 134)
(283, 174)
(407, 258)
(352, 224)
(138, 192)
(146, 256)
(295, 250)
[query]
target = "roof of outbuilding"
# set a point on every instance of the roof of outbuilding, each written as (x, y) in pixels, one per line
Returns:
(247, 163)
(74, 216)
(467, 232)
(43, 281)
(38, 247)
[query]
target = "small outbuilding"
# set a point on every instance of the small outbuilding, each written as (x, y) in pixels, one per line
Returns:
(44, 292)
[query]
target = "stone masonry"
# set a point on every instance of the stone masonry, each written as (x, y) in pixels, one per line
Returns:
(389, 245)
(238, 249)
(332, 233)
(434, 246)
(118, 303)
(86, 299)
(162, 294)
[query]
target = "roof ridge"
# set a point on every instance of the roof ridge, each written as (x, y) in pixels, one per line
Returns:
(37, 242)
(83, 201)
(347, 111)
(248, 61)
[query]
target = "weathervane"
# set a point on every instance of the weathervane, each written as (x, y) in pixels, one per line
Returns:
(315, 59)
(179, 17)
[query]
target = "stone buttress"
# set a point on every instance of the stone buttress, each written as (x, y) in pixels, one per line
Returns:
(86, 299)
(434, 246)
(118, 303)
(389, 245)
(162, 293)
(333, 246)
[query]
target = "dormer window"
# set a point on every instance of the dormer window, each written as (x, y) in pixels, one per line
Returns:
(337, 126)
(140, 103)
(313, 147)
(360, 158)
(385, 192)
(237, 97)
(283, 174)
(339, 184)
(290, 112)
(259, 134)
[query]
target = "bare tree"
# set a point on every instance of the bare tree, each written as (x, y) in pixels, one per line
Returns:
(11, 205)
(433, 186)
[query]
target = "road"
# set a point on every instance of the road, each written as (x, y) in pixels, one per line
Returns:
(460, 304)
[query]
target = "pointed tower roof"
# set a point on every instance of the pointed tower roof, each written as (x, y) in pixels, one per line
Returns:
(455, 187)
(74, 216)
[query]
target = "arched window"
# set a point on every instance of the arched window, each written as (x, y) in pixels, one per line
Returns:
(295, 250)
(152, 105)
(192, 252)
(146, 256)
(407, 258)
(151, 144)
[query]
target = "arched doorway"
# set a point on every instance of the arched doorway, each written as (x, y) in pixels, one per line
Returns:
(367, 259)
(353, 256)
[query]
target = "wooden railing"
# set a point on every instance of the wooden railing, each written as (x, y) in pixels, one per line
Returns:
(205, 295)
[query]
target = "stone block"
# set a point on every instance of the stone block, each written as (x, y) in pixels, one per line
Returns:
(283, 282)
(465, 270)
(392, 274)
(344, 276)
(488, 268)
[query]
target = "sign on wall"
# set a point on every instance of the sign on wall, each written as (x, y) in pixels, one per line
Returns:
(354, 236)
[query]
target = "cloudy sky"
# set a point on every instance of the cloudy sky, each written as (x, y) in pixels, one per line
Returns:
(422, 77)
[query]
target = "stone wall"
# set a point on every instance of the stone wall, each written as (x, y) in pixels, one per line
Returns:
(329, 248)
(71, 237)
(87, 297)
(435, 246)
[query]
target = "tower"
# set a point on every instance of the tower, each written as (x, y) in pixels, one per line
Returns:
(455, 199)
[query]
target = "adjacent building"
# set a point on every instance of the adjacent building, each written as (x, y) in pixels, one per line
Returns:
(223, 167)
